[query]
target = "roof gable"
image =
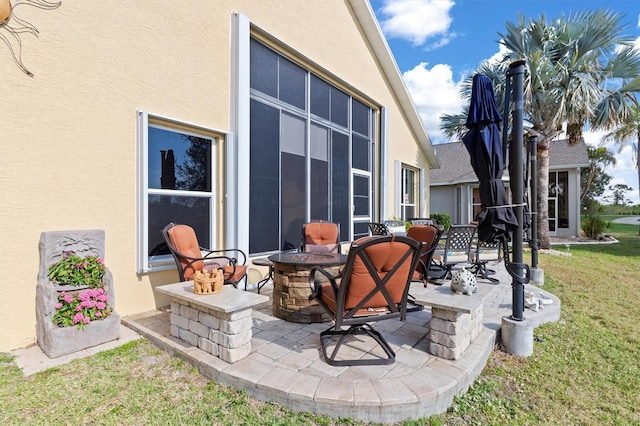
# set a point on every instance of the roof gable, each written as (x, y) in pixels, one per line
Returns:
(455, 164)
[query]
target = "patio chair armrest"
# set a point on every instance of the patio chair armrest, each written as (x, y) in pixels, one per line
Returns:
(236, 256)
(315, 284)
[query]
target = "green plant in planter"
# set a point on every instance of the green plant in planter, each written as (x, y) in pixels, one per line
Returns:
(74, 270)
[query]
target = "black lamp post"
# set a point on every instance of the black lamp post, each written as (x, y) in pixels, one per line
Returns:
(516, 72)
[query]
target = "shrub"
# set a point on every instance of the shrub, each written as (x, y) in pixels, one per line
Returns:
(593, 226)
(442, 219)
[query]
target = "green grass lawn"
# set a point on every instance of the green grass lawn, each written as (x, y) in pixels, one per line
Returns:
(585, 369)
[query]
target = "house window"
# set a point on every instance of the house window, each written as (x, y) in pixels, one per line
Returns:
(558, 200)
(476, 203)
(408, 192)
(311, 153)
(175, 175)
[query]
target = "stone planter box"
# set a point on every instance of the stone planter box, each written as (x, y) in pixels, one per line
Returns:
(58, 341)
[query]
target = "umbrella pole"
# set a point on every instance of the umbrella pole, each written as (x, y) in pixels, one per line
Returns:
(516, 71)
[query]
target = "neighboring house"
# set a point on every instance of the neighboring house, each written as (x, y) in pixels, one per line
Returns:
(454, 187)
(241, 118)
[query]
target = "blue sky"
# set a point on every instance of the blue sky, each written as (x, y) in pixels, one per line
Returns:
(436, 43)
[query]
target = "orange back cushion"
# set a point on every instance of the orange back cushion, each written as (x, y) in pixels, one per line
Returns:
(183, 239)
(384, 257)
(426, 234)
(320, 236)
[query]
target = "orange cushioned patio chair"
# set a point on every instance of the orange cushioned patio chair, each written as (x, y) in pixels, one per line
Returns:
(373, 286)
(320, 236)
(190, 257)
(430, 236)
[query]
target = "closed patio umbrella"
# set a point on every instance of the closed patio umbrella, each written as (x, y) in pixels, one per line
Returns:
(483, 141)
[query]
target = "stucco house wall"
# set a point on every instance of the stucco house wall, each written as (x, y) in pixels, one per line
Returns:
(69, 140)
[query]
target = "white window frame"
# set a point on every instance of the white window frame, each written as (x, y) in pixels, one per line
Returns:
(404, 169)
(399, 204)
(145, 119)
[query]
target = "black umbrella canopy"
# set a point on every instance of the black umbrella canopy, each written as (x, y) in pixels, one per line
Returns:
(483, 141)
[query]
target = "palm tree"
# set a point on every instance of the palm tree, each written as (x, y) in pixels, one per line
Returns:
(593, 179)
(581, 70)
(628, 133)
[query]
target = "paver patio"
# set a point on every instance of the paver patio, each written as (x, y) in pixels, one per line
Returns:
(285, 364)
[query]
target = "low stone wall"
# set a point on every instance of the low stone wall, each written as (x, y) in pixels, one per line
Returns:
(225, 335)
(452, 332)
(456, 319)
(218, 323)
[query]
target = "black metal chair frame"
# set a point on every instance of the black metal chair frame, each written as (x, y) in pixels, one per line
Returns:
(209, 256)
(459, 238)
(354, 318)
(393, 223)
(422, 221)
(377, 228)
(479, 267)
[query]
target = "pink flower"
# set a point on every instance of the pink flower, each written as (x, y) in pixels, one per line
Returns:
(100, 260)
(101, 305)
(103, 298)
(58, 305)
(68, 298)
(79, 308)
(98, 314)
(86, 320)
(79, 317)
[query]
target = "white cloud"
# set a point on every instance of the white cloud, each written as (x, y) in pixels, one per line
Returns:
(418, 21)
(624, 170)
(434, 92)
(497, 57)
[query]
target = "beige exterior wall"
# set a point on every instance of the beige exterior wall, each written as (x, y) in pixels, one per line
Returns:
(68, 157)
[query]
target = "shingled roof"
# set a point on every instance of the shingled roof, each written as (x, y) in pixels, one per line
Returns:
(455, 166)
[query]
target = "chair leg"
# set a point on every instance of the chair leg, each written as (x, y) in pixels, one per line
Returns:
(445, 276)
(411, 302)
(481, 271)
(361, 329)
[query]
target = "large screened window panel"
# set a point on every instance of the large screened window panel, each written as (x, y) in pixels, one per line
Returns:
(176, 183)
(311, 152)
